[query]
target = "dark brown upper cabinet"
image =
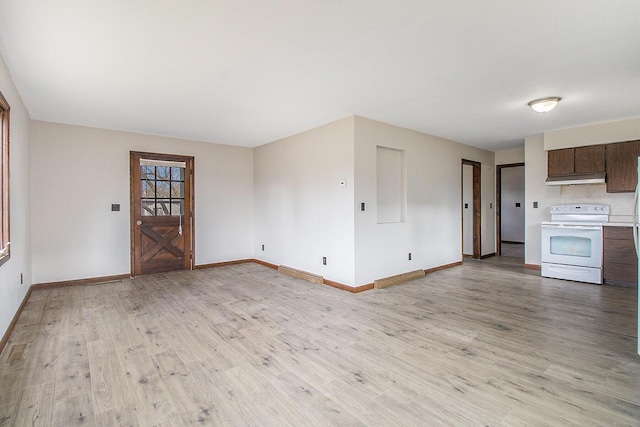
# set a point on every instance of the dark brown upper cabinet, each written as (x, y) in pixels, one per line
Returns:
(622, 166)
(576, 161)
(590, 159)
(561, 162)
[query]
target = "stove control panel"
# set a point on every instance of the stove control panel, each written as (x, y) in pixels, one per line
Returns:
(581, 209)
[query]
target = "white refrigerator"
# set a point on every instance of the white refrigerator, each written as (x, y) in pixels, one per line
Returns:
(636, 241)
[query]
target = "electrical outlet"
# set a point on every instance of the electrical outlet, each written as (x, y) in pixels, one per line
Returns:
(21, 279)
(324, 260)
(263, 247)
(409, 256)
(362, 206)
(535, 205)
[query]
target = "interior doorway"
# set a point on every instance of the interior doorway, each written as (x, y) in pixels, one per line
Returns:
(161, 212)
(471, 202)
(510, 210)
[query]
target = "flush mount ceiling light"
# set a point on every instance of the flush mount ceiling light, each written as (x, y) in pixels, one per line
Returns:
(544, 105)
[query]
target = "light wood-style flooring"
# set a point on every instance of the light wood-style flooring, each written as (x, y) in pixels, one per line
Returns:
(246, 345)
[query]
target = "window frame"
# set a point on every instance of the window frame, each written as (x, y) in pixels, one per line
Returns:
(5, 246)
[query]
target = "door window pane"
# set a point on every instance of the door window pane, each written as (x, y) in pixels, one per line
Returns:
(177, 189)
(162, 173)
(177, 174)
(163, 207)
(148, 172)
(148, 207)
(162, 189)
(148, 190)
(176, 207)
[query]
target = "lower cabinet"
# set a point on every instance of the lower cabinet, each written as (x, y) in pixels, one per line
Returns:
(620, 260)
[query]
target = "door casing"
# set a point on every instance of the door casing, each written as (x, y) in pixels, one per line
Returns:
(499, 203)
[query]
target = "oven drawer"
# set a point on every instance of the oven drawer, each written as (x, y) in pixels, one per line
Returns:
(571, 272)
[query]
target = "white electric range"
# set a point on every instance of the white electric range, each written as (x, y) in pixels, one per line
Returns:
(572, 242)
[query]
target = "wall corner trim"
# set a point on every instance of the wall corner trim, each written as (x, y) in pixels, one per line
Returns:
(352, 289)
(299, 274)
(266, 264)
(222, 264)
(442, 267)
(80, 282)
(397, 279)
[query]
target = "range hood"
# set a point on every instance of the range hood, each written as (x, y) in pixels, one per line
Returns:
(592, 178)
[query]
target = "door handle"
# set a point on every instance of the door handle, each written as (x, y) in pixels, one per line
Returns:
(139, 222)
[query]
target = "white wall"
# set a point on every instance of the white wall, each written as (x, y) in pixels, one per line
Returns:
(506, 157)
(601, 133)
(432, 230)
(11, 291)
(512, 217)
(301, 212)
(78, 172)
(536, 191)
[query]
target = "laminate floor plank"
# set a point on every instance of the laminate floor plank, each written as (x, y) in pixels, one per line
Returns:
(42, 360)
(121, 417)
(152, 399)
(10, 387)
(35, 406)
(313, 405)
(73, 374)
(175, 376)
(109, 390)
(73, 411)
(480, 344)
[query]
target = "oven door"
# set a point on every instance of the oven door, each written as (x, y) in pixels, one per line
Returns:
(579, 245)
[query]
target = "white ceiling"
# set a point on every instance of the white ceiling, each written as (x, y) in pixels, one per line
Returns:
(250, 72)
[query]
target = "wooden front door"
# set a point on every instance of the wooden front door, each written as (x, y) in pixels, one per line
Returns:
(161, 213)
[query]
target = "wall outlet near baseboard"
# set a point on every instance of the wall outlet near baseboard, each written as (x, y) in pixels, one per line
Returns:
(324, 260)
(21, 279)
(409, 256)
(263, 247)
